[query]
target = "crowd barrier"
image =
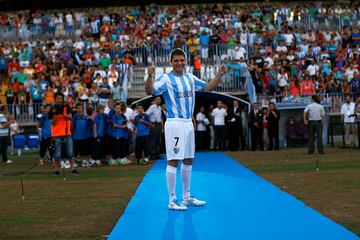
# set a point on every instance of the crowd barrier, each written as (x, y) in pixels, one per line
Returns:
(26, 32)
(335, 100)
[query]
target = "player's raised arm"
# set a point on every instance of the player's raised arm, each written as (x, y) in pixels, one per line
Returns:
(215, 81)
(149, 88)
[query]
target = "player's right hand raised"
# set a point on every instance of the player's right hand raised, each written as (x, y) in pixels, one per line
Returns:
(151, 70)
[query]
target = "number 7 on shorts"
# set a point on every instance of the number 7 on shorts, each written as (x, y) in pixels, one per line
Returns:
(177, 140)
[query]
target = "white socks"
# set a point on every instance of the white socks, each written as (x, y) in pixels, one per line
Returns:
(186, 178)
(171, 181)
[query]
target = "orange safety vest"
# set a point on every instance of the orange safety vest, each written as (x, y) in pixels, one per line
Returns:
(63, 125)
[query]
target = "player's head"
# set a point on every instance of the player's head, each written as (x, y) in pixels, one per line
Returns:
(140, 108)
(178, 60)
(219, 104)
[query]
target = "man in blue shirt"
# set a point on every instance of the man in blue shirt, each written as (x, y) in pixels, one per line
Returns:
(79, 128)
(3, 65)
(119, 132)
(142, 126)
(43, 83)
(44, 127)
(36, 97)
(204, 43)
(355, 84)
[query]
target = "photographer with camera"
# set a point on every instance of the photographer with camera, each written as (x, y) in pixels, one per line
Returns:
(348, 117)
(61, 117)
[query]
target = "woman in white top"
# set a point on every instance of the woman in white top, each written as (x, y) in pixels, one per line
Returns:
(283, 79)
(14, 129)
(113, 76)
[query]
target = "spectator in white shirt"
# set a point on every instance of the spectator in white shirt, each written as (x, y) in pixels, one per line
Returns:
(201, 123)
(283, 79)
(313, 68)
(219, 115)
(154, 113)
(349, 73)
(240, 52)
(281, 48)
(289, 38)
(100, 71)
(14, 129)
(348, 116)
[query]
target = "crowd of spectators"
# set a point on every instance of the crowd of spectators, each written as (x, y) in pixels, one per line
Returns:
(89, 55)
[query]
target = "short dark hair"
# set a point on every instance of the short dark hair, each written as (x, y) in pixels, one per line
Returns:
(59, 94)
(2, 108)
(316, 98)
(177, 52)
(78, 104)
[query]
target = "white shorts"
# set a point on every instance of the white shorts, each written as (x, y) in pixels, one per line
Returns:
(179, 139)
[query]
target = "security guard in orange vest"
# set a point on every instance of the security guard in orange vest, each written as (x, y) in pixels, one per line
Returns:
(61, 117)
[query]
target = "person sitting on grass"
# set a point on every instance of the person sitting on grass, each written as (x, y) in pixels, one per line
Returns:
(142, 128)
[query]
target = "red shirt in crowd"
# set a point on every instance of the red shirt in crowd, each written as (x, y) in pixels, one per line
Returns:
(307, 87)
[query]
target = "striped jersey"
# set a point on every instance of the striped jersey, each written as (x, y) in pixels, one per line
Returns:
(179, 93)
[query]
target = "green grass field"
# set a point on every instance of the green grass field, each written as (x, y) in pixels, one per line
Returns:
(88, 206)
(82, 207)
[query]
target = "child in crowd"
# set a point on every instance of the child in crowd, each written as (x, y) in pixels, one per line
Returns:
(108, 138)
(44, 128)
(79, 128)
(119, 134)
(99, 133)
(142, 127)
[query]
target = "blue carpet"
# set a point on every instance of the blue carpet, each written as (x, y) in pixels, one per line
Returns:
(240, 205)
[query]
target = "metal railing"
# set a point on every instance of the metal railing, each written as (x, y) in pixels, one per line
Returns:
(26, 32)
(26, 114)
(234, 81)
(333, 100)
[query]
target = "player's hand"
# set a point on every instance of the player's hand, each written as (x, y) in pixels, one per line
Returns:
(222, 70)
(151, 70)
